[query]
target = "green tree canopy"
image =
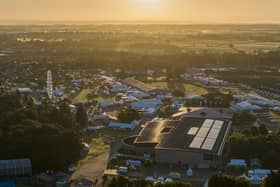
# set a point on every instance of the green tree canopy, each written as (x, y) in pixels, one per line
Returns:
(128, 114)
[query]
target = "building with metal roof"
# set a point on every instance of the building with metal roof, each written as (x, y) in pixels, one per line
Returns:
(196, 141)
(19, 167)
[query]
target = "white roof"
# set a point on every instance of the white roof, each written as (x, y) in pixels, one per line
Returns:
(245, 105)
(237, 162)
(146, 103)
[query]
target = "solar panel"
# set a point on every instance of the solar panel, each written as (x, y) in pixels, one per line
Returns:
(209, 144)
(218, 124)
(197, 142)
(207, 123)
(193, 131)
(202, 133)
(213, 135)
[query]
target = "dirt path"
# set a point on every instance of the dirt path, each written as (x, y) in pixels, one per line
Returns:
(93, 169)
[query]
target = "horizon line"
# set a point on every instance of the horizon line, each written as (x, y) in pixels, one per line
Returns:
(144, 22)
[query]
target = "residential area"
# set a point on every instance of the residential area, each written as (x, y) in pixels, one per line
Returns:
(151, 126)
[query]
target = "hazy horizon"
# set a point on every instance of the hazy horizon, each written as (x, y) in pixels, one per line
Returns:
(146, 11)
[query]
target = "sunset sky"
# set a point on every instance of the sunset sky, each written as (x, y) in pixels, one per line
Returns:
(189, 11)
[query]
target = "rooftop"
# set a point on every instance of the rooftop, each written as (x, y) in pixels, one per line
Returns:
(139, 85)
(196, 134)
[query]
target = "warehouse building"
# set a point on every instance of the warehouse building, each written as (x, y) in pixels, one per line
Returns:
(195, 141)
(146, 88)
(19, 167)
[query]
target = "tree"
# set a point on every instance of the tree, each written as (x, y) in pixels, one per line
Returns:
(265, 147)
(243, 118)
(122, 181)
(263, 130)
(178, 93)
(38, 133)
(128, 114)
(222, 180)
(272, 180)
(81, 116)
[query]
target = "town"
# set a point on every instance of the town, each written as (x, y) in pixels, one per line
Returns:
(154, 125)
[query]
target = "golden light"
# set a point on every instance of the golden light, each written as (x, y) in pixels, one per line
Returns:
(148, 3)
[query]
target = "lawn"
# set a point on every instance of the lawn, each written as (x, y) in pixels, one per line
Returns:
(161, 85)
(101, 141)
(97, 147)
(186, 87)
(193, 89)
(276, 117)
(82, 97)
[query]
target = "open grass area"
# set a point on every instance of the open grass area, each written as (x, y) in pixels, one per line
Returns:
(97, 147)
(188, 88)
(228, 90)
(102, 99)
(82, 96)
(193, 89)
(101, 141)
(161, 85)
(275, 127)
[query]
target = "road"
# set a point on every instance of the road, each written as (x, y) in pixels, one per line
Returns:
(93, 168)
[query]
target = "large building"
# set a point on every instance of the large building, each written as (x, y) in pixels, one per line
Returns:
(194, 140)
(19, 167)
(143, 86)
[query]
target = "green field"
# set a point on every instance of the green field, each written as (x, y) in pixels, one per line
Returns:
(275, 117)
(101, 141)
(161, 85)
(82, 96)
(186, 87)
(193, 89)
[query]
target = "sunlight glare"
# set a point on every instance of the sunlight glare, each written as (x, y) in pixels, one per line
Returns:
(147, 3)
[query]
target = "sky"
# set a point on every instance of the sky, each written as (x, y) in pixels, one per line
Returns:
(187, 11)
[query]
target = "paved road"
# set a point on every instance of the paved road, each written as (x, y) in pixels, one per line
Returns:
(93, 168)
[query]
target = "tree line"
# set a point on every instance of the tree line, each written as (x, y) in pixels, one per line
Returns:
(48, 135)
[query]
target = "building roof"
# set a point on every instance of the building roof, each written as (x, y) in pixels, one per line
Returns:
(198, 112)
(237, 162)
(174, 134)
(139, 85)
(15, 167)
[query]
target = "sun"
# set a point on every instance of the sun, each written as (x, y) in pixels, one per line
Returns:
(148, 3)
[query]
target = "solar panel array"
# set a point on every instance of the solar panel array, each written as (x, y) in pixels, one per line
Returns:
(213, 135)
(207, 135)
(202, 133)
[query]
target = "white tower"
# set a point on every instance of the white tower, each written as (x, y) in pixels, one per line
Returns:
(49, 85)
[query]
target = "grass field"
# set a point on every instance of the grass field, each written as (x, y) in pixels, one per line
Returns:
(186, 87)
(161, 85)
(82, 96)
(101, 141)
(193, 89)
(275, 117)
(97, 147)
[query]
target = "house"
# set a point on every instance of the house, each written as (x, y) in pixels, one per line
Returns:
(147, 107)
(245, 106)
(108, 104)
(58, 92)
(257, 176)
(119, 125)
(237, 163)
(138, 94)
(119, 87)
(24, 90)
